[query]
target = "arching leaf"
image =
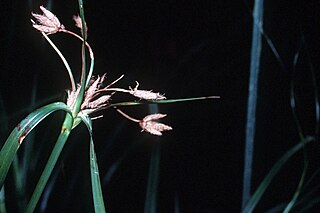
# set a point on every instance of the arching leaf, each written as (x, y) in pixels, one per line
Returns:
(95, 178)
(18, 134)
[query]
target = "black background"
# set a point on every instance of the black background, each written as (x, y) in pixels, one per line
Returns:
(182, 49)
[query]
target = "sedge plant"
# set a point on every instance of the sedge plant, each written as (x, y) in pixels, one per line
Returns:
(90, 95)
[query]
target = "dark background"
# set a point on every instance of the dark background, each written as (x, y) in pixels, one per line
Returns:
(182, 49)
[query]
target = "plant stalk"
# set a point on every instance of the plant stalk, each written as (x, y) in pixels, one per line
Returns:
(65, 131)
(252, 99)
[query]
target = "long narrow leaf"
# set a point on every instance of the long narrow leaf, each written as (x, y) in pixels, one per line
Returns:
(298, 190)
(252, 99)
(168, 101)
(18, 134)
(301, 135)
(272, 173)
(65, 131)
(95, 177)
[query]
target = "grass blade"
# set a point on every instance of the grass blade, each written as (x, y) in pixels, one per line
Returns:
(18, 134)
(65, 131)
(274, 170)
(299, 188)
(294, 199)
(252, 99)
(95, 177)
(167, 101)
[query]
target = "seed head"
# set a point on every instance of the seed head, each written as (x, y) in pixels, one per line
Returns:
(47, 22)
(145, 94)
(94, 97)
(149, 124)
(97, 96)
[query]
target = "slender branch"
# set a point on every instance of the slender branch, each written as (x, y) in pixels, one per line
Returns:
(90, 52)
(73, 84)
(127, 116)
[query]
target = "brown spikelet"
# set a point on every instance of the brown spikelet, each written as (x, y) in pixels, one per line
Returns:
(149, 124)
(47, 22)
(145, 94)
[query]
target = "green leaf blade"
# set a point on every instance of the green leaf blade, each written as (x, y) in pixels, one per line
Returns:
(94, 171)
(272, 173)
(18, 134)
(64, 134)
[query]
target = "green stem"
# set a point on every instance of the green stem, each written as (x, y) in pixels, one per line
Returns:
(84, 72)
(90, 53)
(252, 99)
(65, 131)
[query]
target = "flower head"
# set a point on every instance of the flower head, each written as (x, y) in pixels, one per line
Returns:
(97, 96)
(93, 99)
(149, 124)
(47, 22)
(145, 94)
